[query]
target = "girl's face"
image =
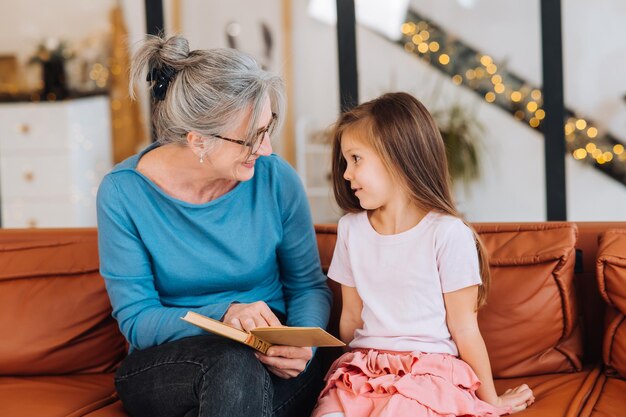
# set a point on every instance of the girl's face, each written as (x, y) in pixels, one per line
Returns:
(231, 159)
(369, 179)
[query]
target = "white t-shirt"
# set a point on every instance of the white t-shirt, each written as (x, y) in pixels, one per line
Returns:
(401, 279)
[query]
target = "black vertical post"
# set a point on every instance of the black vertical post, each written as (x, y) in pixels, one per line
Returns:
(154, 26)
(346, 48)
(154, 17)
(552, 58)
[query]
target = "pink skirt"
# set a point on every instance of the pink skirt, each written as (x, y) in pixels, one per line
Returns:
(371, 383)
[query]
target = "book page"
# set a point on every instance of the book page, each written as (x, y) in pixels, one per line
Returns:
(215, 326)
(297, 336)
(267, 336)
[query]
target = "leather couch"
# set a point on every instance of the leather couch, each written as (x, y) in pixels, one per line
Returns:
(555, 319)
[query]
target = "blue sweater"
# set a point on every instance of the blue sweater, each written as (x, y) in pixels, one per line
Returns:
(161, 257)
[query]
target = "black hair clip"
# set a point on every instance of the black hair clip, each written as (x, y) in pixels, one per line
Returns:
(161, 78)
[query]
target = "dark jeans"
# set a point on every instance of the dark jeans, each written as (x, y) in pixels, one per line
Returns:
(211, 376)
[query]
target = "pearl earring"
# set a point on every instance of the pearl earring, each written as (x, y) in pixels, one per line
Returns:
(202, 157)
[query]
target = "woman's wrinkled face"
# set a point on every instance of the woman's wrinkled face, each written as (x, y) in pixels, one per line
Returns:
(232, 160)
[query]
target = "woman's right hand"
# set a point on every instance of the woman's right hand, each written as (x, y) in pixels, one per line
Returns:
(518, 398)
(249, 316)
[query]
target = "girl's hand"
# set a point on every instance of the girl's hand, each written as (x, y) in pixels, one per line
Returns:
(517, 398)
(286, 361)
(250, 316)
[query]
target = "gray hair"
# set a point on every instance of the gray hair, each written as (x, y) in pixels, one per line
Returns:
(211, 91)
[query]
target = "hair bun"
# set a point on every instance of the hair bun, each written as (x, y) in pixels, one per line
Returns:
(163, 58)
(173, 50)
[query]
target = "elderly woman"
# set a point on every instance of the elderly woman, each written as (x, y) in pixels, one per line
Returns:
(208, 219)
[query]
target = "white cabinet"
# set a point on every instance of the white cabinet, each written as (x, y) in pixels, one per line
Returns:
(53, 156)
(313, 160)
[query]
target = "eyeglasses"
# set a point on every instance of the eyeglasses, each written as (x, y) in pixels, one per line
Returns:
(260, 136)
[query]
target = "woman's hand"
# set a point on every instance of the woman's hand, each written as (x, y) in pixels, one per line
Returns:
(283, 361)
(286, 361)
(517, 398)
(250, 316)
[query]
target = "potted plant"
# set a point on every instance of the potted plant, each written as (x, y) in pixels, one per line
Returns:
(52, 54)
(461, 133)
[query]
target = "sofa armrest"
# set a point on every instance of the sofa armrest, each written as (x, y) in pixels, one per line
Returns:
(611, 276)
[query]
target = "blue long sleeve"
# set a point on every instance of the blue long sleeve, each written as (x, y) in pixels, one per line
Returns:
(161, 257)
(304, 285)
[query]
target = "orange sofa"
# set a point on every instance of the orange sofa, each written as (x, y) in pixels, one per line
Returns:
(555, 319)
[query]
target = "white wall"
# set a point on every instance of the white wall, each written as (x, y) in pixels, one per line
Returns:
(593, 47)
(27, 22)
(204, 24)
(594, 85)
(512, 187)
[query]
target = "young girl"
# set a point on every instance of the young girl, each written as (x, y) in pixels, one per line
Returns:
(413, 275)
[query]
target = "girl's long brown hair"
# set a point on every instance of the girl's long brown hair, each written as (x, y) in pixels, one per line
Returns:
(403, 133)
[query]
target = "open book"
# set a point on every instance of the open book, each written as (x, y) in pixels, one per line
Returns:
(262, 338)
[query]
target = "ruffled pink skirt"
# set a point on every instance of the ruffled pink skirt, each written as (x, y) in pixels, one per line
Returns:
(371, 383)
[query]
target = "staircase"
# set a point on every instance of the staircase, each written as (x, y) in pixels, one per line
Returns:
(499, 86)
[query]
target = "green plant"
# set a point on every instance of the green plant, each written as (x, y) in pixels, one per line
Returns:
(51, 50)
(461, 133)
(52, 54)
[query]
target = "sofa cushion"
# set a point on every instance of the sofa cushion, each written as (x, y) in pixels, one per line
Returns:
(55, 396)
(611, 274)
(56, 309)
(530, 321)
(562, 394)
(607, 399)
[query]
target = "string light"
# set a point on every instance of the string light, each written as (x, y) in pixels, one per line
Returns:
(592, 132)
(536, 95)
(482, 74)
(580, 153)
(486, 60)
(408, 28)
